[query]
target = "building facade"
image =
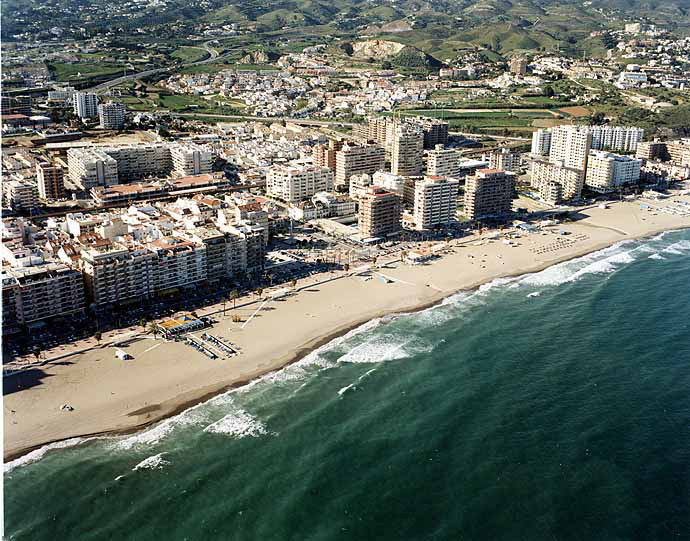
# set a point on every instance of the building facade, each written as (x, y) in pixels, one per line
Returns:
(51, 181)
(40, 292)
(379, 213)
(489, 194)
(294, 184)
(111, 115)
(20, 195)
(407, 153)
(546, 175)
(190, 159)
(607, 172)
(356, 160)
(435, 202)
(85, 104)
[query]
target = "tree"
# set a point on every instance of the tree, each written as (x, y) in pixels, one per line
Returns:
(386, 65)
(142, 322)
(37, 353)
(293, 284)
(97, 335)
(224, 301)
(153, 328)
(260, 291)
(549, 91)
(234, 295)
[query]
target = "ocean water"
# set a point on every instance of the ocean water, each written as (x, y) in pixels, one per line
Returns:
(551, 406)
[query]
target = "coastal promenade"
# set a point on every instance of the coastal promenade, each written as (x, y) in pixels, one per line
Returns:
(109, 395)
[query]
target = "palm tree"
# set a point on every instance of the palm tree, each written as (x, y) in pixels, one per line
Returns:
(142, 323)
(234, 295)
(293, 284)
(37, 353)
(153, 328)
(224, 301)
(97, 335)
(260, 291)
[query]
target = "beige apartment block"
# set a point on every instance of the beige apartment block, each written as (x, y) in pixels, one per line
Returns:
(489, 194)
(379, 213)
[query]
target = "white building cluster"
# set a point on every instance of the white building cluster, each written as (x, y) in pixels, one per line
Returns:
(567, 158)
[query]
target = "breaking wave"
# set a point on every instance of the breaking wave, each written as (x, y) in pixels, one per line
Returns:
(239, 424)
(154, 462)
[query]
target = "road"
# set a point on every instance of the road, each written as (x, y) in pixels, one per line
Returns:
(301, 121)
(213, 57)
(491, 136)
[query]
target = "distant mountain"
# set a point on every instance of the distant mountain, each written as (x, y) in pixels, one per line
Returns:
(438, 27)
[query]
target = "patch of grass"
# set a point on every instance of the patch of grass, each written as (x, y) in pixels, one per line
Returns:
(190, 54)
(67, 72)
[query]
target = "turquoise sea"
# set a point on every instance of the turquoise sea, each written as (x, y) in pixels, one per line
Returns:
(551, 406)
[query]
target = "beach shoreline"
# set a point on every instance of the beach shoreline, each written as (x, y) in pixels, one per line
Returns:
(388, 303)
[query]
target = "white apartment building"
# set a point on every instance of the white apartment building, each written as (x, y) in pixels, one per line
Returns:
(191, 159)
(111, 115)
(607, 172)
(20, 194)
(503, 159)
(293, 184)
(108, 165)
(137, 161)
(613, 138)
(541, 142)
(389, 181)
(356, 160)
(181, 263)
(617, 138)
(41, 291)
(570, 145)
(407, 150)
(85, 104)
(89, 167)
(442, 162)
(335, 205)
(548, 178)
(63, 95)
(114, 273)
(435, 201)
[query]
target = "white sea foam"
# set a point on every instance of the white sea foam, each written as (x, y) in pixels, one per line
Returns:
(366, 374)
(604, 261)
(534, 294)
(154, 462)
(678, 248)
(38, 454)
(315, 359)
(342, 391)
(239, 424)
(656, 256)
(384, 348)
(155, 434)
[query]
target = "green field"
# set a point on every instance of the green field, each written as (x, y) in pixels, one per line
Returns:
(67, 72)
(190, 54)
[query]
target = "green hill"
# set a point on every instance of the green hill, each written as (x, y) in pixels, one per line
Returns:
(438, 27)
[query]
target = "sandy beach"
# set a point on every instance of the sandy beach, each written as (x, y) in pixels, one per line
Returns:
(164, 377)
